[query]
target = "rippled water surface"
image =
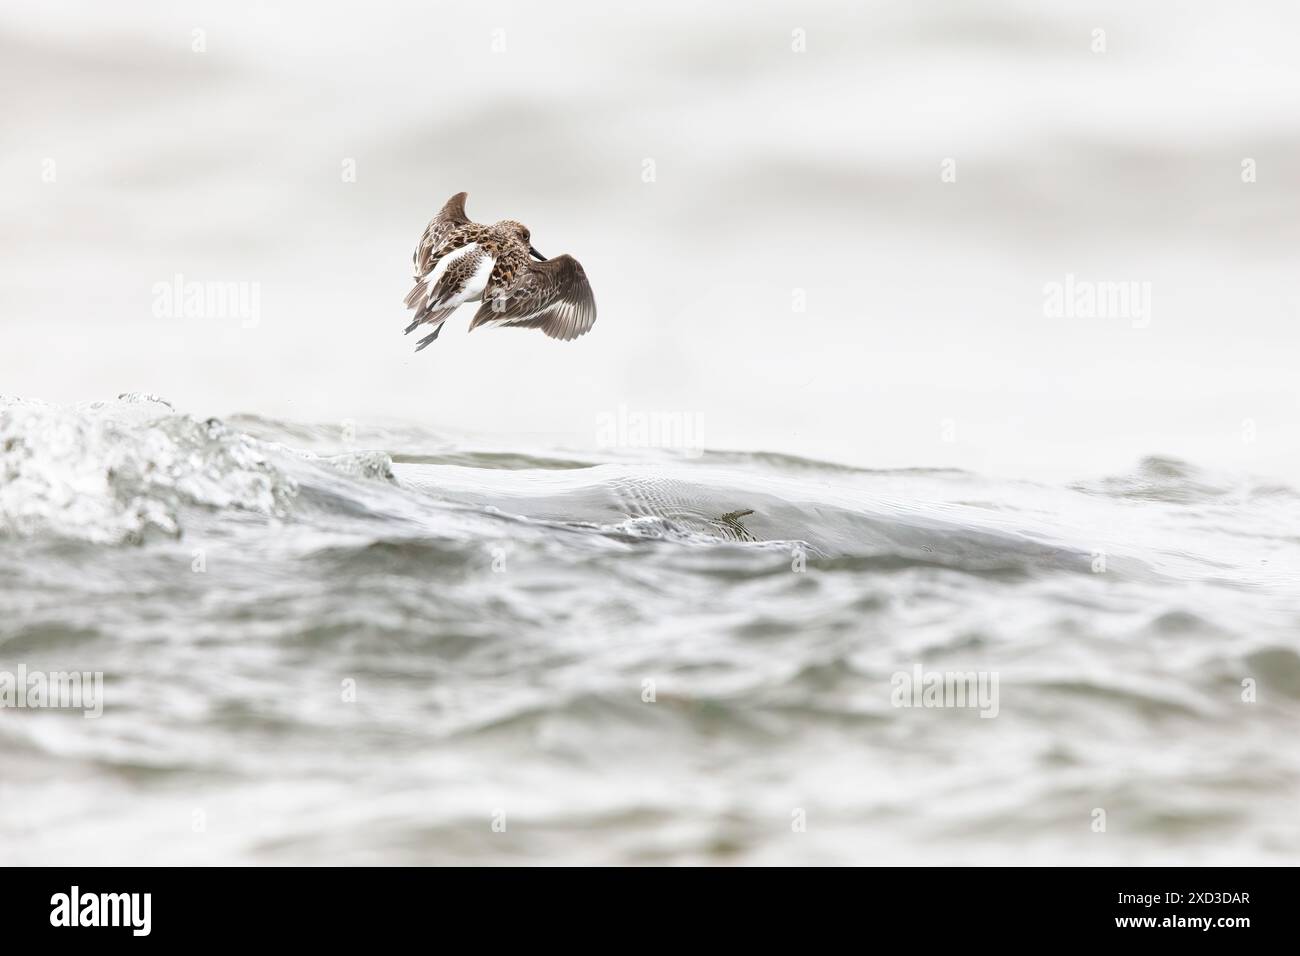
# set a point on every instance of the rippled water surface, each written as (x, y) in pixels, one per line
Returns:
(322, 650)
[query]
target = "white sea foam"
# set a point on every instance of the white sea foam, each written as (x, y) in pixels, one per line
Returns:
(114, 471)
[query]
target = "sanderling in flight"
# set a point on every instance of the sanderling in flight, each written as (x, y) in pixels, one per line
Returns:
(459, 261)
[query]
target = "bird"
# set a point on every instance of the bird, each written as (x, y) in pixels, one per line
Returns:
(459, 261)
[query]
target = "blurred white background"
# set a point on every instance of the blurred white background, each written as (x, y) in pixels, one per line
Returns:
(774, 171)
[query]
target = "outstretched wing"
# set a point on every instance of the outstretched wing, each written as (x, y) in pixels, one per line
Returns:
(449, 218)
(553, 296)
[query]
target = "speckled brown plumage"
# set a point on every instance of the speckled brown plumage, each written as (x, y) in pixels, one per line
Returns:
(458, 261)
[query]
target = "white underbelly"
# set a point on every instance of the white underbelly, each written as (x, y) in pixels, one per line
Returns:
(472, 289)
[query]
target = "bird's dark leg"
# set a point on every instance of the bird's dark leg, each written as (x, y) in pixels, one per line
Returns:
(429, 338)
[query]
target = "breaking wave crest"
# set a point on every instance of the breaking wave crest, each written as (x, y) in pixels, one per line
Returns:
(118, 471)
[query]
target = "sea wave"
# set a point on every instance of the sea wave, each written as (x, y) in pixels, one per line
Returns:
(118, 471)
(643, 644)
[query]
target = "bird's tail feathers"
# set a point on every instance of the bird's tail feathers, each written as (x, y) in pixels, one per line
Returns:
(428, 316)
(415, 298)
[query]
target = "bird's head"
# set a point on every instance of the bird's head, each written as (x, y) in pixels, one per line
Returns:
(510, 227)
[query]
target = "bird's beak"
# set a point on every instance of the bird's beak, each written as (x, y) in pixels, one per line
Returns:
(536, 254)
